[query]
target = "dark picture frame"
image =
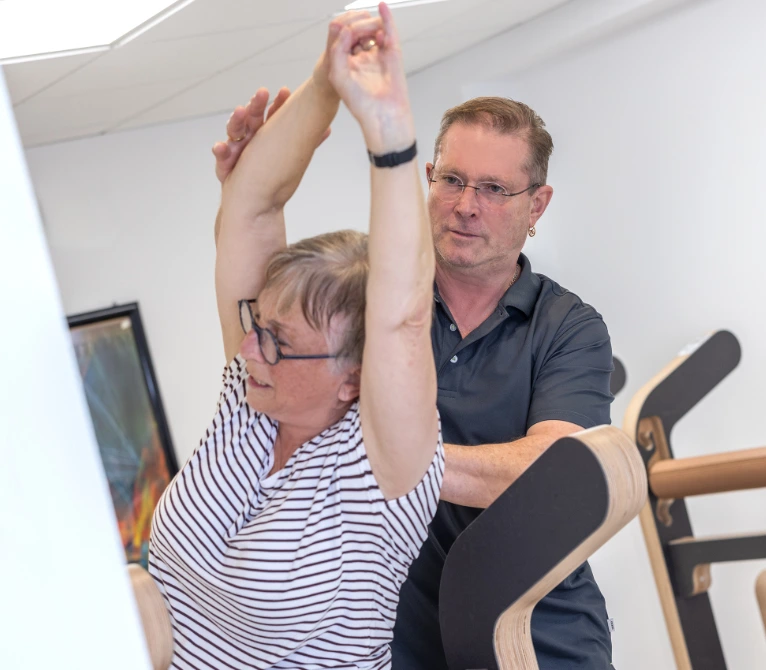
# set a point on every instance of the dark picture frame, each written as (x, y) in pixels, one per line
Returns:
(128, 417)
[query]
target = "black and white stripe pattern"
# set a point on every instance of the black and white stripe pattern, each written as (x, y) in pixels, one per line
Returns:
(297, 570)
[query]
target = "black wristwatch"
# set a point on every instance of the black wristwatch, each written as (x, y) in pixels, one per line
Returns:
(395, 158)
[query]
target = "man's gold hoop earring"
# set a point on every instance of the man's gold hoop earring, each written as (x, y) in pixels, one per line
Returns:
(532, 231)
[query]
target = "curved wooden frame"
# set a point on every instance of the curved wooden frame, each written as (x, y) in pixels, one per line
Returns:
(154, 617)
(567, 504)
(760, 594)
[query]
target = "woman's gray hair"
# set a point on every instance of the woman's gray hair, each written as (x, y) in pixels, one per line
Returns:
(327, 275)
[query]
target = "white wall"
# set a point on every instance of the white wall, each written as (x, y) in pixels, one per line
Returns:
(65, 600)
(657, 220)
(660, 147)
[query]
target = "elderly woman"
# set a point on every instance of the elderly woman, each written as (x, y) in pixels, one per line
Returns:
(283, 541)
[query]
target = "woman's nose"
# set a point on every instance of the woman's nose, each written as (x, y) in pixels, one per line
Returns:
(251, 348)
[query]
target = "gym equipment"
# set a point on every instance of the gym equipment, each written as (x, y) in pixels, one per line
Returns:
(154, 617)
(619, 377)
(760, 594)
(567, 504)
(680, 561)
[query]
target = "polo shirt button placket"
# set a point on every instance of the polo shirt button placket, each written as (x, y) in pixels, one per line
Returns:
(453, 327)
(453, 359)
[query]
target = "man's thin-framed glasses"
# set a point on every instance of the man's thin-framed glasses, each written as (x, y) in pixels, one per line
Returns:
(267, 340)
(450, 188)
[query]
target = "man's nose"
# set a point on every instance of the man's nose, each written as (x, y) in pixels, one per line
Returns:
(468, 203)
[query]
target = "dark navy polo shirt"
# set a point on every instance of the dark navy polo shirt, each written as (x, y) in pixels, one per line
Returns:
(543, 354)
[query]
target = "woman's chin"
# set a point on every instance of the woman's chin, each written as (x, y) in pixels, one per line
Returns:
(258, 398)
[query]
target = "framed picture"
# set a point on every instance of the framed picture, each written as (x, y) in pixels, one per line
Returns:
(128, 418)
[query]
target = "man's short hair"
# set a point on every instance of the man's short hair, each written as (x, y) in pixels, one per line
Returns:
(508, 117)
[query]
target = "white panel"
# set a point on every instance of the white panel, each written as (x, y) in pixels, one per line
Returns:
(494, 17)
(55, 135)
(67, 117)
(225, 92)
(167, 75)
(422, 52)
(221, 16)
(214, 72)
(424, 19)
(289, 62)
(66, 600)
(190, 58)
(25, 79)
(308, 44)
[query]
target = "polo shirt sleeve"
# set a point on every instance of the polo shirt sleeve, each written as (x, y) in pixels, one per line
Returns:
(572, 381)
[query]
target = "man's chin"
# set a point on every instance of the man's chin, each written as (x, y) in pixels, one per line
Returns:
(456, 258)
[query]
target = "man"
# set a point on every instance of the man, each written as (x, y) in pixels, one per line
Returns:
(520, 361)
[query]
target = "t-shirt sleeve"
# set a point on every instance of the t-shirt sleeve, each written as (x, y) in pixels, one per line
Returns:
(572, 383)
(233, 381)
(405, 520)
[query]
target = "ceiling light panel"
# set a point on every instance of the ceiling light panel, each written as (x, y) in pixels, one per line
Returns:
(373, 4)
(31, 27)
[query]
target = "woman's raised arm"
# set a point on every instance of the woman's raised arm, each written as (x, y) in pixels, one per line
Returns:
(250, 225)
(398, 387)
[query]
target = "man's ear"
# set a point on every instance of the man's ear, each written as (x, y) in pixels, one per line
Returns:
(349, 388)
(539, 203)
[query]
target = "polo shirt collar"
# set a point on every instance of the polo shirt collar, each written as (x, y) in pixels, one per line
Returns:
(524, 291)
(522, 294)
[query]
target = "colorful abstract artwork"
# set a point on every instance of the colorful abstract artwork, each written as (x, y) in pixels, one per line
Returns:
(127, 418)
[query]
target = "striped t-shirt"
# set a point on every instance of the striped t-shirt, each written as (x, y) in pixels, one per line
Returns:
(300, 569)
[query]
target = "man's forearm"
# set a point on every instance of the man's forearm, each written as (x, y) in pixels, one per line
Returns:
(476, 476)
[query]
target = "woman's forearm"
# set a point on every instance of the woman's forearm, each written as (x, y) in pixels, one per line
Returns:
(250, 225)
(273, 164)
(401, 250)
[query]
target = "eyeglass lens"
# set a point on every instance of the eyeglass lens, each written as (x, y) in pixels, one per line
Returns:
(451, 191)
(266, 339)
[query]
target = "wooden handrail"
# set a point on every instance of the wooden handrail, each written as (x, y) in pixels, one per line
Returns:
(760, 593)
(154, 617)
(676, 478)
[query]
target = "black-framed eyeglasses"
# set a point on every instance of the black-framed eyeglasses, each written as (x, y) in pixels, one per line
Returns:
(267, 340)
(449, 188)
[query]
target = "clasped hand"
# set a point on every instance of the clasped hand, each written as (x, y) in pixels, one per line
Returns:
(362, 64)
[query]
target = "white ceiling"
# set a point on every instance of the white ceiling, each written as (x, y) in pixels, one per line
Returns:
(214, 54)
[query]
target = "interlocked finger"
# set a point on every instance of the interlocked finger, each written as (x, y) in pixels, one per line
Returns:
(236, 127)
